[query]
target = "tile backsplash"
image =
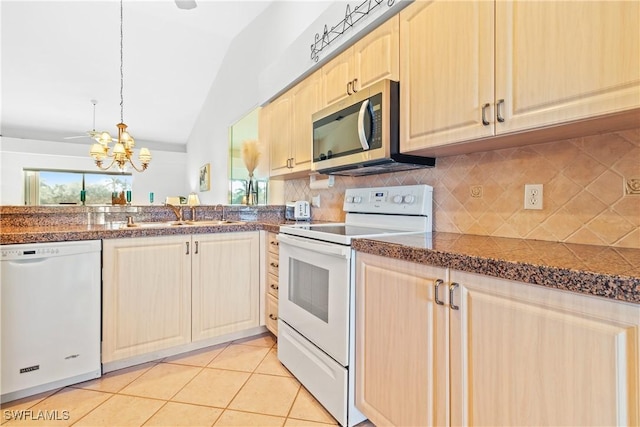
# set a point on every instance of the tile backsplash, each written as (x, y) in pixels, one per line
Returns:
(590, 191)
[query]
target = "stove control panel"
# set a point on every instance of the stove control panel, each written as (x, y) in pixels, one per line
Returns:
(400, 200)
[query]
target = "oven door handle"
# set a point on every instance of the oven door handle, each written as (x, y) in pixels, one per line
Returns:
(316, 246)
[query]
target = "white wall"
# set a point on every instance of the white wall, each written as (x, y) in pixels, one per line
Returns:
(235, 91)
(165, 176)
(270, 54)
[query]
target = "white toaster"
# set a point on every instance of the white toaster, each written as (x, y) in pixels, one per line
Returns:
(298, 210)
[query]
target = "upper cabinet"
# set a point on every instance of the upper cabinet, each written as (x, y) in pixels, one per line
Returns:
(373, 58)
(447, 72)
(465, 76)
(562, 61)
(289, 127)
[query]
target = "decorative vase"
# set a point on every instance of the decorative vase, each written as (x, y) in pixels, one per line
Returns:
(252, 193)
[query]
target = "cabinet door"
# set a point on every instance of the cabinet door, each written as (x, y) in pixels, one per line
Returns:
(528, 355)
(446, 78)
(401, 343)
(376, 56)
(279, 134)
(306, 99)
(225, 282)
(146, 288)
(336, 74)
(565, 60)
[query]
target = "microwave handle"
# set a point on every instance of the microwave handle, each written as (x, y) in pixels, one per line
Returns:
(361, 135)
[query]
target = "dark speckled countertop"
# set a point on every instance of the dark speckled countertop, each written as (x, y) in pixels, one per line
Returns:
(597, 270)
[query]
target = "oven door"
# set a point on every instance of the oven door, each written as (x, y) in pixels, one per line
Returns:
(314, 292)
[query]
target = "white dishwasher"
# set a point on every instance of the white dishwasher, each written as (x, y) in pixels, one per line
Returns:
(50, 318)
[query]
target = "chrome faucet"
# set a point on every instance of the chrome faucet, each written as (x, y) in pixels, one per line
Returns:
(176, 210)
(222, 208)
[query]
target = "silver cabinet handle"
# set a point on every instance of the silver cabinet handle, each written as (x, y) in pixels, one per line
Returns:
(187, 243)
(438, 283)
(196, 252)
(349, 88)
(499, 110)
(272, 317)
(452, 288)
(484, 114)
(353, 85)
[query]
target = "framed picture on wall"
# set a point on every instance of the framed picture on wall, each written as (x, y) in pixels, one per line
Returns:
(205, 177)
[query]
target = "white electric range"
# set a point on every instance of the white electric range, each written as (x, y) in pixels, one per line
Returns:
(316, 313)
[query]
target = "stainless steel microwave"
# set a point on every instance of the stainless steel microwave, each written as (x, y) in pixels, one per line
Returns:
(360, 135)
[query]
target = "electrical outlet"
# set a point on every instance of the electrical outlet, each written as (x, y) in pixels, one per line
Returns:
(315, 201)
(533, 196)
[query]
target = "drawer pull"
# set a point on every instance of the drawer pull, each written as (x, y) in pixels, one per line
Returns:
(273, 264)
(272, 317)
(274, 287)
(274, 243)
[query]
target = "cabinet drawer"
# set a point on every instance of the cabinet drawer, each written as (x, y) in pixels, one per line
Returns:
(273, 285)
(273, 261)
(271, 319)
(273, 243)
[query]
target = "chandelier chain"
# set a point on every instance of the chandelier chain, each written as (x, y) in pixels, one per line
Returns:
(121, 66)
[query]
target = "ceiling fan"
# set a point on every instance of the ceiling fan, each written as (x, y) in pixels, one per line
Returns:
(90, 133)
(186, 4)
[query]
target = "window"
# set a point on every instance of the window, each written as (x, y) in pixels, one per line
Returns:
(55, 187)
(238, 191)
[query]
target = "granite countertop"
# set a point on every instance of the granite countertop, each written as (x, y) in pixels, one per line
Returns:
(118, 230)
(596, 270)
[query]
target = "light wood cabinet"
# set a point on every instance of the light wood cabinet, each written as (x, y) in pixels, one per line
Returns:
(529, 355)
(225, 283)
(146, 291)
(447, 72)
(542, 72)
(163, 292)
(401, 336)
(271, 313)
(290, 130)
(499, 353)
(565, 60)
(373, 58)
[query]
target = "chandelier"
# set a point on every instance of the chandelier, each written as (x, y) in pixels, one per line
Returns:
(123, 147)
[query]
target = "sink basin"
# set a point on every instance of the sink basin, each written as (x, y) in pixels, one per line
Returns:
(156, 224)
(205, 222)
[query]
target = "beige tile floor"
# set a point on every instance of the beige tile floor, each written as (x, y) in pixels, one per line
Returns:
(240, 383)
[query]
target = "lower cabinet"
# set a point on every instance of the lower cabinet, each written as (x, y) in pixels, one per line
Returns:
(271, 303)
(162, 292)
(225, 284)
(444, 347)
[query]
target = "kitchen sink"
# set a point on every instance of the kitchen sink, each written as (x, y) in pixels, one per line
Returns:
(160, 224)
(205, 222)
(156, 224)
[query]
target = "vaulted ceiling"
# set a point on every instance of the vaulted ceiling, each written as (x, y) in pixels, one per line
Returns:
(59, 55)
